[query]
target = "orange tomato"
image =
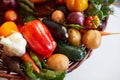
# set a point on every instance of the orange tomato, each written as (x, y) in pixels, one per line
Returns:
(8, 28)
(58, 16)
(10, 15)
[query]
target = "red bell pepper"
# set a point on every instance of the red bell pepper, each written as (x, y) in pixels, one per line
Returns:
(39, 38)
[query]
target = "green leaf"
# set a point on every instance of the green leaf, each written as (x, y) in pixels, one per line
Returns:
(27, 2)
(107, 2)
(100, 14)
(99, 8)
(26, 7)
(27, 67)
(104, 2)
(29, 18)
(94, 1)
(47, 74)
(23, 13)
(76, 26)
(93, 9)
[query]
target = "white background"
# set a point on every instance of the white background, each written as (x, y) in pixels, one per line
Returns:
(104, 63)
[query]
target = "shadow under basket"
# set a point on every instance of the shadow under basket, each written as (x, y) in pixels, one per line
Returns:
(4, 73)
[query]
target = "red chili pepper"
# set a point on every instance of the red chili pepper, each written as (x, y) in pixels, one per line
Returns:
(39, 38)
(92, 22)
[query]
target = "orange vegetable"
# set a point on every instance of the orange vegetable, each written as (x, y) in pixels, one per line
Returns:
(10, 15)
(77, 5)
(8, 28)
(92, 22)
(58, 16)
(26, 58)
(101, 32)
(107, 33)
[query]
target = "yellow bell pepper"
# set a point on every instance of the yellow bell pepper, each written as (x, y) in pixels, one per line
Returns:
(8, 28)
(77, 5)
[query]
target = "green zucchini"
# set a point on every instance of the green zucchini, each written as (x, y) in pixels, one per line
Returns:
(72, 52)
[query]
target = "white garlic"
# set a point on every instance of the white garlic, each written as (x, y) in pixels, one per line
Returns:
(14, 44)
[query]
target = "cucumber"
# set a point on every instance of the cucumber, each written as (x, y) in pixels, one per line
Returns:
(72, 52)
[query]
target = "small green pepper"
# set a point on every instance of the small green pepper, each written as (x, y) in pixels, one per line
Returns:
(35, 58)
(29, 70)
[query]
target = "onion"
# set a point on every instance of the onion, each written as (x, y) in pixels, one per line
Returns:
(8, 4)
(76, 18)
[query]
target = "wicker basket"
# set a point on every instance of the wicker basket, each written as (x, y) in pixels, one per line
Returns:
(73, 65)
(4, 72)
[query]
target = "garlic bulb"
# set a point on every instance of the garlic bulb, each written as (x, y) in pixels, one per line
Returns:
(14, 44)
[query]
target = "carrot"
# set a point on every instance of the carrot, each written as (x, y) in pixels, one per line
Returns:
(26, 58)
(107, 33)
(101, 32)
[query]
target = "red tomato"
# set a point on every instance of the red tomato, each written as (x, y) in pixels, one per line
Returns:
(92, 22)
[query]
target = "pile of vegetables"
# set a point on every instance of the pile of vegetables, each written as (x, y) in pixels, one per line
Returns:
(40, 38)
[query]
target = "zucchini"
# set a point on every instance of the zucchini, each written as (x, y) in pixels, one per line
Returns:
(72, 52)
(57, 30)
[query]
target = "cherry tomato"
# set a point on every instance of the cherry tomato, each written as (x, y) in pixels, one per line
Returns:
(10, 15)
(58, 16)
(92, 22)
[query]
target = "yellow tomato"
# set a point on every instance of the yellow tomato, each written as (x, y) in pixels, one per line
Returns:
(77, 5)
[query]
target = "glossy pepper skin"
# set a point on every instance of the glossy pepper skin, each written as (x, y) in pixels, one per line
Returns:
(77, 5)
(39, 38)
(92, 22)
